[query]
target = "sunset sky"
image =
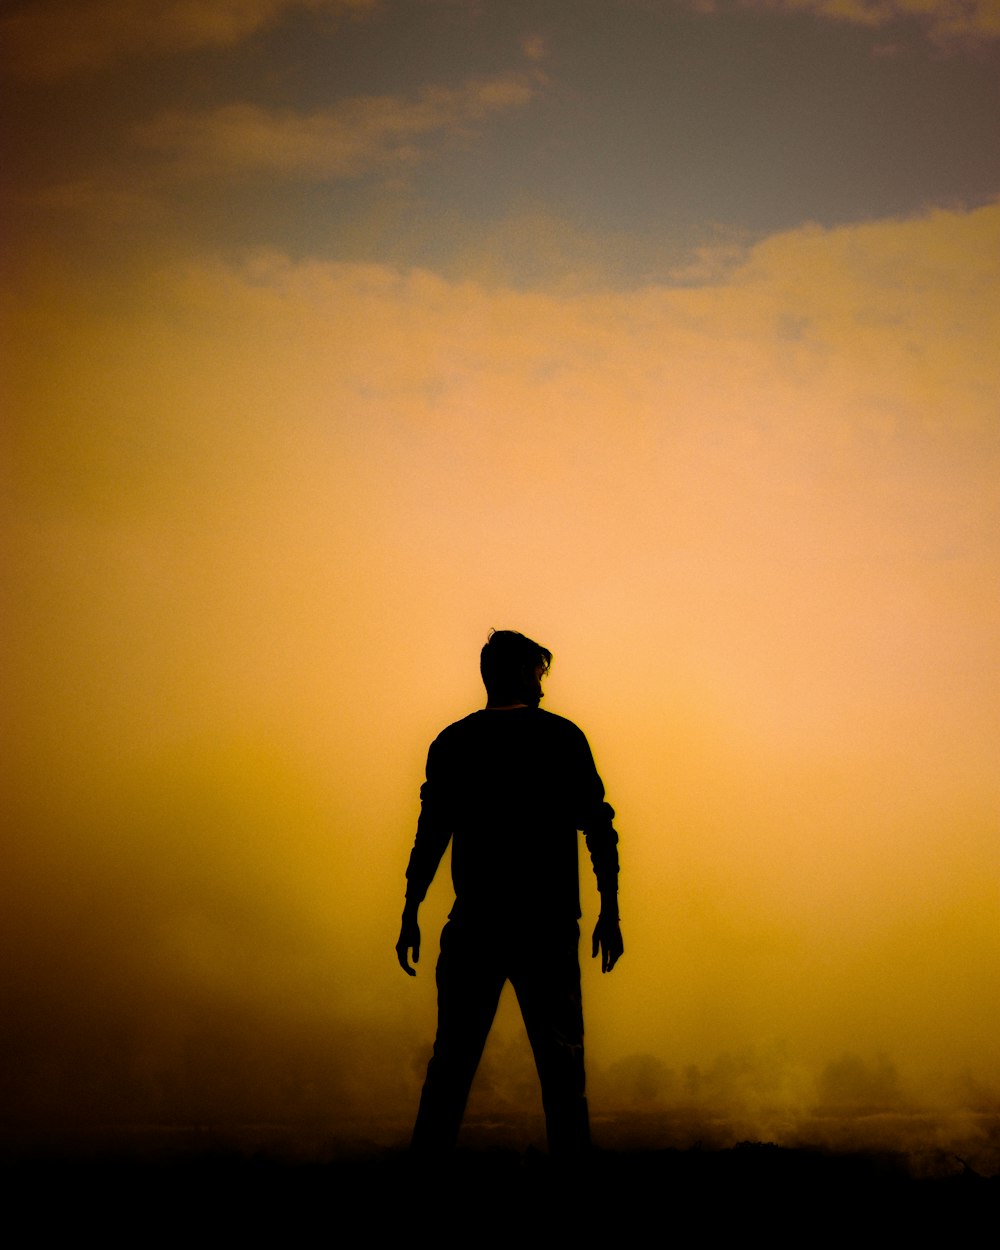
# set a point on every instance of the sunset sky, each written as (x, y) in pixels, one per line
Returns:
(337, 332)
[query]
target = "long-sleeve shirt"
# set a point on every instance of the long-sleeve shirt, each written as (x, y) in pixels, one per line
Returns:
(511, 787)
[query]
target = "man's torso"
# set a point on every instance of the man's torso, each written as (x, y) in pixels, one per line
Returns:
(513, 786)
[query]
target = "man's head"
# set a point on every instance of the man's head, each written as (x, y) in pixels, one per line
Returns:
(513, 667)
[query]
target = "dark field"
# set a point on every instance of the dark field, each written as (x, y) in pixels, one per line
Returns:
(198, 1186)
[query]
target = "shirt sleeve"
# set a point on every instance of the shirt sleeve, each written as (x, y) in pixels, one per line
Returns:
(597, 819)
(602, 843)
(433, 831)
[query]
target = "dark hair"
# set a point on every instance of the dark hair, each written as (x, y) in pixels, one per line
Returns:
(510, 664)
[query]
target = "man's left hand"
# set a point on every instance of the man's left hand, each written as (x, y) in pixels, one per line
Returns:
(409, 939)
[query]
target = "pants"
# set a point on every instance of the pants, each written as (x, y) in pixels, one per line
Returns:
(544, 968)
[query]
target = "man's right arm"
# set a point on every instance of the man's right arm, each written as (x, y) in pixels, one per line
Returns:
(602, 843)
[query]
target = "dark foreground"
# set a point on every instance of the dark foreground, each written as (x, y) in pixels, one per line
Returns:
(788, 1196)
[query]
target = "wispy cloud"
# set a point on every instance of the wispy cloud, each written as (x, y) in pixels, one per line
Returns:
(944, 20)
(344, 141)
(57, 37)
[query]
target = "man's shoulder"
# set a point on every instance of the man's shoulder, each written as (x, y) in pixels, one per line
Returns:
(560, 724)
(566, 736)
(485, 722)
(464, 725)
(458, 730)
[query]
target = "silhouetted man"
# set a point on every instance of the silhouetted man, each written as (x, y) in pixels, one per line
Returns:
(510, 786)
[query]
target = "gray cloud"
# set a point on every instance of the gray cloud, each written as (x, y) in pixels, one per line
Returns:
(58, 37)
(343, 141)
(945, 21)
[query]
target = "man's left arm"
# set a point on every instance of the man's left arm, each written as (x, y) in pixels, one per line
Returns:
(433, 836)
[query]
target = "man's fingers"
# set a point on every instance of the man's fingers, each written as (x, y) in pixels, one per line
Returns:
(408, 940)
(607, 940)
(614, 951)
(404, 963)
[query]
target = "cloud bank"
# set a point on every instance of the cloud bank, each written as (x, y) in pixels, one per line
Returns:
(946, 21)
(49, 39)
(344, 141)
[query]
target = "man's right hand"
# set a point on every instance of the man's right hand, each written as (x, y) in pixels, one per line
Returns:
(409, 939)
(608, 942)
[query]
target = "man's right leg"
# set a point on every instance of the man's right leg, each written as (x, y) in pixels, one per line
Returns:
(469, 980)
(546, 979)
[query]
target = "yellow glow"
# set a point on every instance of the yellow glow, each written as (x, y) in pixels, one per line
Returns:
(262, 518)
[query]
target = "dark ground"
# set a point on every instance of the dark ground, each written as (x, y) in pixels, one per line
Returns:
(690, 1197)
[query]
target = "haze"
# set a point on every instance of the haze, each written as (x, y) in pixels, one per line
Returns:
(339, 333)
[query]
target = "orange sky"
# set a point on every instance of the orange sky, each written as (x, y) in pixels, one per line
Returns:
(263, 507)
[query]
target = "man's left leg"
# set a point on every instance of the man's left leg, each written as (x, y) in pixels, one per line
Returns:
(470, 977)
(546, 979)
